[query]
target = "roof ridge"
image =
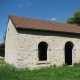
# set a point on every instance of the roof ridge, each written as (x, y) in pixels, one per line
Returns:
(39, 19)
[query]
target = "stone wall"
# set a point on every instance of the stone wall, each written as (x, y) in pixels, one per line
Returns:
(29, 40)
(11, 44)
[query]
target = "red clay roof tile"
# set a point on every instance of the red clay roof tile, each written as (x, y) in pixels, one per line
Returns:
(28, 23)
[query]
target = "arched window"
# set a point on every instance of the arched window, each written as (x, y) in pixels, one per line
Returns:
(42, 51)
(68, 52)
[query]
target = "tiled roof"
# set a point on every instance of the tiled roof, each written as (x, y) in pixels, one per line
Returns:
(28, 23)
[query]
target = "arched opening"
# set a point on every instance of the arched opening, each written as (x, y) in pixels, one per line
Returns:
(42, 51)
(68, 53)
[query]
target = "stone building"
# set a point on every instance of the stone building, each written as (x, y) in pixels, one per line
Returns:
(33, 44)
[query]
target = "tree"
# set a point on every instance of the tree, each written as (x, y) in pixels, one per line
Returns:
(75, 19)
(4, 37)
(2, 47)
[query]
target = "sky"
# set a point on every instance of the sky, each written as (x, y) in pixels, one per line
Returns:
(50, 10)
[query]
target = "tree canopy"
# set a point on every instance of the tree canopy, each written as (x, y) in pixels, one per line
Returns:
(2, 49)
(75, 19)
(2, 46)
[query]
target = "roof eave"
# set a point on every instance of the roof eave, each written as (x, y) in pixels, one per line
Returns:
(20, 28)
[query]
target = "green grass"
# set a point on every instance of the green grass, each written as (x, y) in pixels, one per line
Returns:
(8, 72)
(2, 61)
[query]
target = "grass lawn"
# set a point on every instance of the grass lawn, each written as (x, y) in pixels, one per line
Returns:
(8, 72)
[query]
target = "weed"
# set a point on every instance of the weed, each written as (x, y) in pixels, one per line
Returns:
(64, 65)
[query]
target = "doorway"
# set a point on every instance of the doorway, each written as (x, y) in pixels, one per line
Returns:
(68, 53)
(42, 51)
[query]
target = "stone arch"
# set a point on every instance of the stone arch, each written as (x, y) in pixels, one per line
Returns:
(48, 48)
(42, 51)
(69, 46)
(43, 40)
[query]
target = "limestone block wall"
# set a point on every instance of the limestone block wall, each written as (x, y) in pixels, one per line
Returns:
(28, 41)
(11, 44)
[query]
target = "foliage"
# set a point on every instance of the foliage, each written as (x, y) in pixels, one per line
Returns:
(2, 46)
(64, 65)
(4, 37)
(2, 49)
(75, 19)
